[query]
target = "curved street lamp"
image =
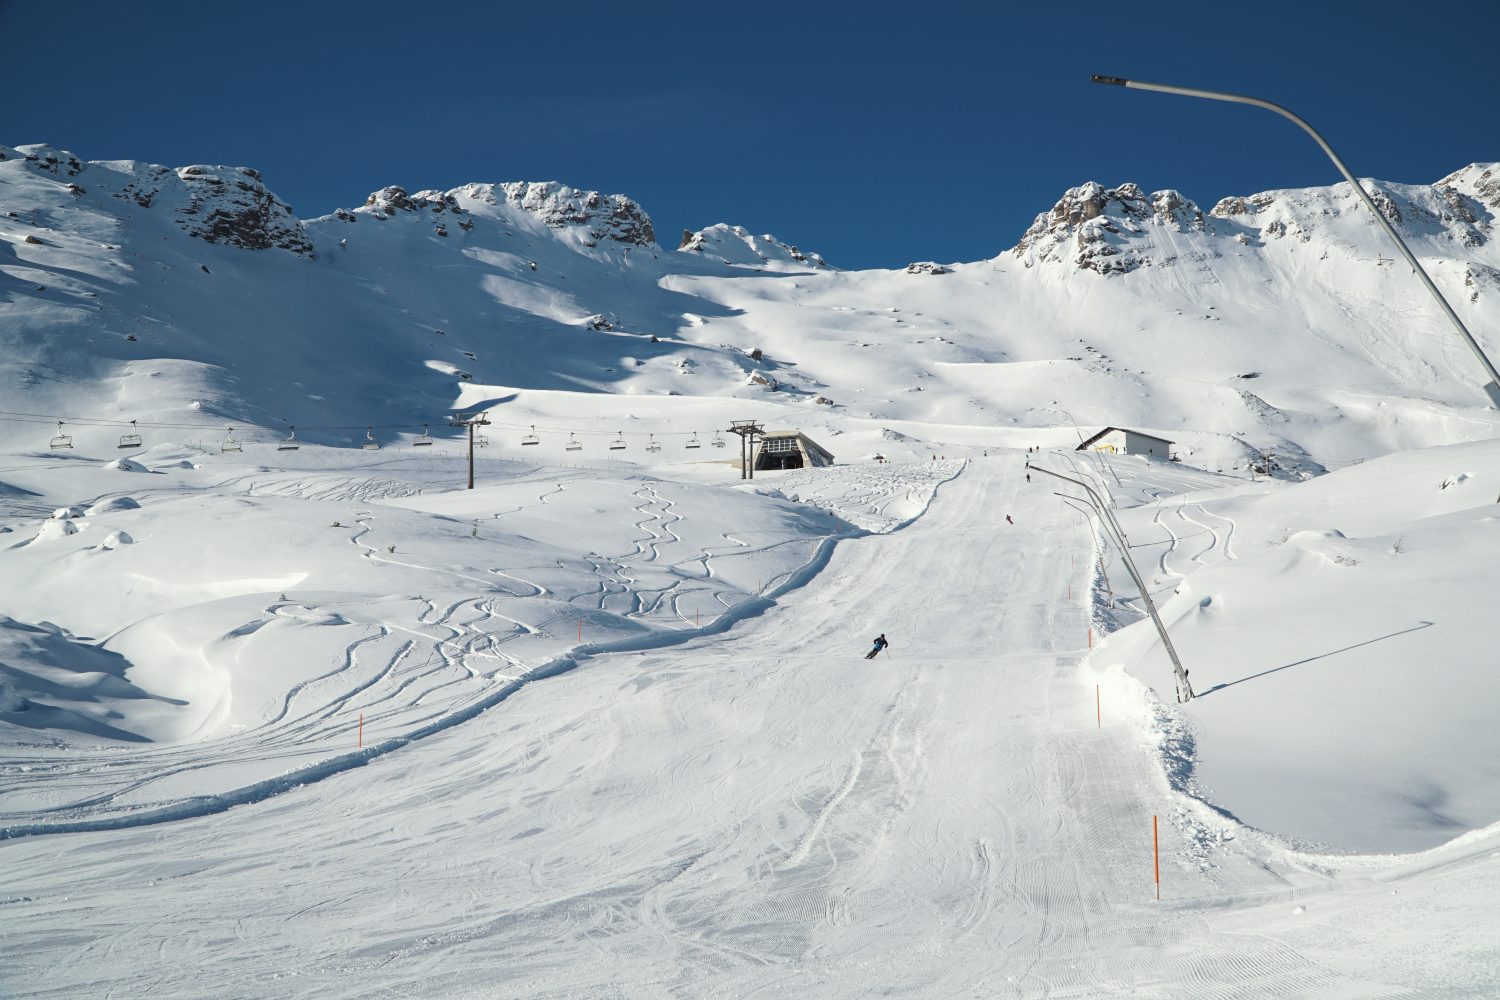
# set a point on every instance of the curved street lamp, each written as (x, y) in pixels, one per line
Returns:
(1493, 387)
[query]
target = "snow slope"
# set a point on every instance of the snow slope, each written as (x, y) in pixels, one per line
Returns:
(765, 810)
(318, 722)
(1276, 320)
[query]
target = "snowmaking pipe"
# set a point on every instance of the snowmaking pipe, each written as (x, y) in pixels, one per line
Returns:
(1492, 389)
(1184, 688)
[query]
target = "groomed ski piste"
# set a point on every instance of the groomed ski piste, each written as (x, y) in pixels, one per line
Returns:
(397, 771)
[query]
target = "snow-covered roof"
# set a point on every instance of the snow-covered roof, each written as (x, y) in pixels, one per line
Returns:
(1125, 430)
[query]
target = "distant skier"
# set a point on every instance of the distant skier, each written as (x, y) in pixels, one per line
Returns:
(1008, 520)
(880, 644)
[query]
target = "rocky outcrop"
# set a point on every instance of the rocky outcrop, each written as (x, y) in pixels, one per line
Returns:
(230, 205)
(927, 267)
(1103, 229)
(1449, 210)
(736, 245)
(218, 204)
(1480, 181)
(1110, 230)
(599, 217)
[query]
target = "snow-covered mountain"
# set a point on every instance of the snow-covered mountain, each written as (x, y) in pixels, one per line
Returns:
(273, 713)
(1277, 320)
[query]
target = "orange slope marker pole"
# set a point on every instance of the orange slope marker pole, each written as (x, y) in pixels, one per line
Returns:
(1156, 854)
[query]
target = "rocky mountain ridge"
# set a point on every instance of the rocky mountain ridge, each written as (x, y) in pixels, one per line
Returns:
(138, 291)
(1112, 231)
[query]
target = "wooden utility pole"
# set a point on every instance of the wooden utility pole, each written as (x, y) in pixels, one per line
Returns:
(746, 429)
(470, 421)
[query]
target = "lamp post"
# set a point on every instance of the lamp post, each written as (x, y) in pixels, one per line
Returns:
(1492, 388)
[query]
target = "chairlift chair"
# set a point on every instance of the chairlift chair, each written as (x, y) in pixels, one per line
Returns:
(131, 440)
(530, 438)
(230, 444)
(480, 441)
(61, 440)
(717, 442)
(370, 443)
(573, 443)
(693, 441)
(290, 443)
(424, 440)
(618, 444)
(651, 444)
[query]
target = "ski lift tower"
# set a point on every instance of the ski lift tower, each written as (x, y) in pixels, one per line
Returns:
(470, 420)
(746, 429)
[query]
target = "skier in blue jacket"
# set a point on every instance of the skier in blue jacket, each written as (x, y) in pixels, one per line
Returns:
(880, 644)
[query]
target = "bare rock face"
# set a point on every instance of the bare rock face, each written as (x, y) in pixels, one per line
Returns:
(231, 205)
(927, 267)
(1106, 230)
(390, 201)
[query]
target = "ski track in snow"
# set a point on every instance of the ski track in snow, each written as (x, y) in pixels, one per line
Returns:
(399, 677)
(748, 813)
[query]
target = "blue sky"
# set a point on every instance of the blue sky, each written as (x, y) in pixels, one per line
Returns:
(873, 133)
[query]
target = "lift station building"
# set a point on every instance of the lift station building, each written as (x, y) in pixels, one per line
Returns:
(790, 450)
(1119, 441)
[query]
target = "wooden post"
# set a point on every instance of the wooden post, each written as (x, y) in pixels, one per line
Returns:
(580, 630)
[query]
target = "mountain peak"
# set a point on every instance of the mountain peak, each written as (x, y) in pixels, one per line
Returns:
(736, 245)
(1093, 225)
(588, 215)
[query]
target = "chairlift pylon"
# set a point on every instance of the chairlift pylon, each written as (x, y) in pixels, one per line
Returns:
(693, 441)
(651, 444)
(230, 444)
(531, 438)
(290, 442)
(61, 440)
(618, 444)
(370, 443)
(131, 440)
(424, 440)
(573, 443)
